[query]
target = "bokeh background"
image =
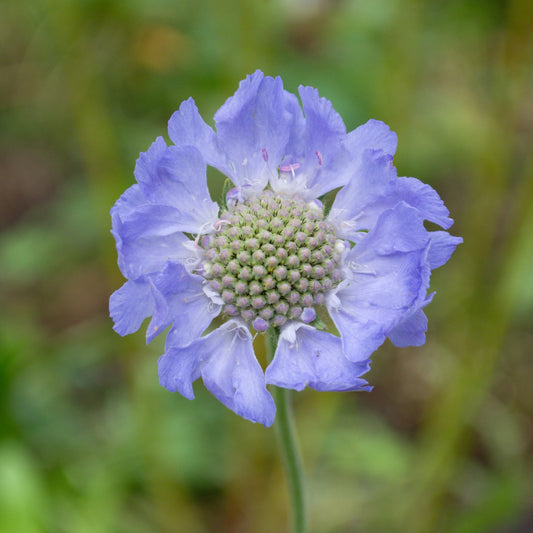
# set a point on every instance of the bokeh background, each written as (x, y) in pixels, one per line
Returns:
(89, 441)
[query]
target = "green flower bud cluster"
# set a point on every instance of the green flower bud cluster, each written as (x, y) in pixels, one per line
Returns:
(272, 259)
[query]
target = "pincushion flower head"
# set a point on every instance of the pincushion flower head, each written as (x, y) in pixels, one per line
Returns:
(271, 257)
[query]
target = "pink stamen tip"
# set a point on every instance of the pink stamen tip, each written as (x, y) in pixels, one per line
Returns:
(290, 168)
(265, 154)
(220, 223)
(319, 155)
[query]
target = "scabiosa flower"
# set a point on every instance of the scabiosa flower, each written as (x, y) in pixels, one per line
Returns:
(271, 257)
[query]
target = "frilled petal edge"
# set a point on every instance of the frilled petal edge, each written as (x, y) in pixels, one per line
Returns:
(187, 128)
(253, 129)
(308, 357)
(373, 135)
(225, 359)
(131, 199)
(146, 167)
(441, 248)
(388, 275)
(180, 299)
(176, 177)
(130, 305)
(315, 161)
(424, 198)
(184, 186)
(354, 206)
(411, 331)
(147, 238)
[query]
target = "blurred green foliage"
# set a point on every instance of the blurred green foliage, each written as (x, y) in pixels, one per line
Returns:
(89, 442)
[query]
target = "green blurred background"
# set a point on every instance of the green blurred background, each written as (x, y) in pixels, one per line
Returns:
(90, 442)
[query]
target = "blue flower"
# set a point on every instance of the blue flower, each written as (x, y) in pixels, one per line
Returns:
(271, 257)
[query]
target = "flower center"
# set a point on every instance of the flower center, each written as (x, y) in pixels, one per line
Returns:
(272, 259)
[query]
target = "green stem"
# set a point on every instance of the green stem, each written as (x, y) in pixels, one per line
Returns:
(290, 453)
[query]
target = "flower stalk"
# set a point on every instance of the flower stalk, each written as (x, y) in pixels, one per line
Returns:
(288, 446)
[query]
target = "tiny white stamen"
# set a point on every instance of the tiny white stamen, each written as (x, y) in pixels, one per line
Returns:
(360, 269)
(243, 334)
(315, 205)
(212, 295)
(339, 246)
(240, 329)
(332, 300)
(212, 307)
